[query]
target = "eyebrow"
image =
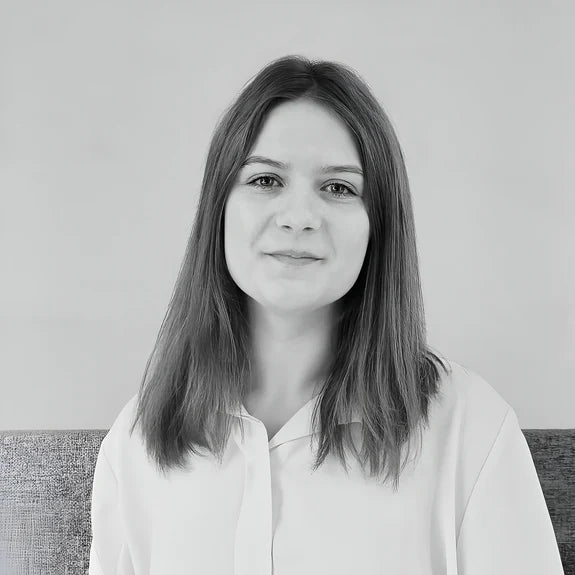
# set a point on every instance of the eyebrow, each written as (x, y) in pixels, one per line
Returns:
(280, 165)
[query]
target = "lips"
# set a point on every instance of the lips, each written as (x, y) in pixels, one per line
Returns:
(293, 261)
(294, 257)
(295, 254)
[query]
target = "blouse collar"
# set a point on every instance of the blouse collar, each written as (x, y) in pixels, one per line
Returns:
(299, 425)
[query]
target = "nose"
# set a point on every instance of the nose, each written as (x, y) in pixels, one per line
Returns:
(298, 211)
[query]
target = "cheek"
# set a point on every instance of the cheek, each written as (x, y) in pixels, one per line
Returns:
(351, 258)
(351, 248)
(353, 238)
(239, 230)
(235, 245)
(233, 224)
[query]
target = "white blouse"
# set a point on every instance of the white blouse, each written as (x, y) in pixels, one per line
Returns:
(471, 504)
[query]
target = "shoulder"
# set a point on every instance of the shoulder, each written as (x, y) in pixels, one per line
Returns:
(469, 412)
(468, 394)
(119, 437)
(465, 423)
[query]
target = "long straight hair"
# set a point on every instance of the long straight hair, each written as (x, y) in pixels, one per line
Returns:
(201, 363)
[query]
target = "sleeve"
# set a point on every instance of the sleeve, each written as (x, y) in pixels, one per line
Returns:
(506, 528)
(108, 550)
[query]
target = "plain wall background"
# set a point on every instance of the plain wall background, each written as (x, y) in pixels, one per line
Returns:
(106, 113)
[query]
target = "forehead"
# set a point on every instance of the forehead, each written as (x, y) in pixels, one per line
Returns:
(302, 130)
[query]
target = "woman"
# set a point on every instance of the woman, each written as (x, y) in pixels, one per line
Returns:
(279, 411)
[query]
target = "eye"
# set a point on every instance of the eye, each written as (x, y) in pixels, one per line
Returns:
(252, 183)
(349, 191)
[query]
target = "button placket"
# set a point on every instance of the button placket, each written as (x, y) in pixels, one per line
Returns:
(253, 543)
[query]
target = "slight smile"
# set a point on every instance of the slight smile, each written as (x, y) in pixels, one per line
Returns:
(291, 261)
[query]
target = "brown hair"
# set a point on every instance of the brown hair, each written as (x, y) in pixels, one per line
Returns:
(200, 364)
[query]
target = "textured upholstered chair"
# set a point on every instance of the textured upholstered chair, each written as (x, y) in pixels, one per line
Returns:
(46, 484)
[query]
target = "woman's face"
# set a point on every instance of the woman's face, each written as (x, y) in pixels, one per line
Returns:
(297, 206)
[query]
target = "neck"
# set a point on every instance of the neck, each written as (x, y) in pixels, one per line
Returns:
(291, 352)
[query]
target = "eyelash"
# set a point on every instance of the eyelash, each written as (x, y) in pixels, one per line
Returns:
(330, 184)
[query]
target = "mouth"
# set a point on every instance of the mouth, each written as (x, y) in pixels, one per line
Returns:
(293, 261)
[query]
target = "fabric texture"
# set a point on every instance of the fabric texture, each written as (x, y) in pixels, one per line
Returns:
(46, 498)
(45, 490)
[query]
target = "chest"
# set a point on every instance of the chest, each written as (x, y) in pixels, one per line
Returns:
(326, 522)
